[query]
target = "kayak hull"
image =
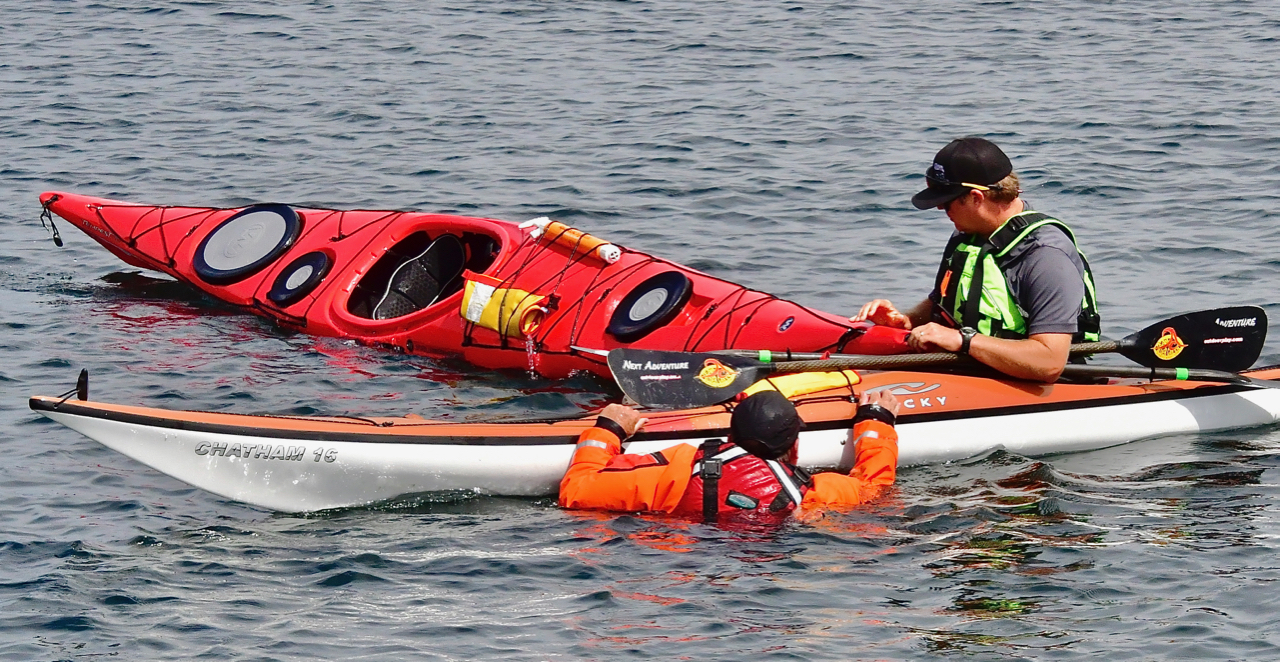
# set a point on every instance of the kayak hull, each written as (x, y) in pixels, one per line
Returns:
(299, 464)
(553, 304)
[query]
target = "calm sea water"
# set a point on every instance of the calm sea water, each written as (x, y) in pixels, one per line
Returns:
(774, 144)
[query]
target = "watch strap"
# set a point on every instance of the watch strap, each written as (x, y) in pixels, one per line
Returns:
(966, 338)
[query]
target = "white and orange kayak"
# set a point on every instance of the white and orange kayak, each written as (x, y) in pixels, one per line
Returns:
(297, 464)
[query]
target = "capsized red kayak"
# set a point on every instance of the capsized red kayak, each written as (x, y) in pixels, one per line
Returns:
(531, 296)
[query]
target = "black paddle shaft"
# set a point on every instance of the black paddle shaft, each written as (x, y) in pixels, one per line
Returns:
(872, 362)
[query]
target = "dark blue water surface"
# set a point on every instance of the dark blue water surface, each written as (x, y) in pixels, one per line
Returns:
(774, 144)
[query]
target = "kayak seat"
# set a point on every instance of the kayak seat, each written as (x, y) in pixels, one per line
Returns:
(421, 280)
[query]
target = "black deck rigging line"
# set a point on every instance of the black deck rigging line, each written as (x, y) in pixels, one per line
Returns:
(689, 342)
(132, 236)
(81, 390)
(725, 317)
(506, 283)
(768, 298)
(596, 284)
(578, 305)
(754, 307)
(131, 239)
(600, 281)
(380, 424)
(591, 287)
(536, 290)
(573, 256)
(315, 226)
(47, 215)
(64, 397)
(389, 217)
(573, 259)
(560, 275)
(611, 282)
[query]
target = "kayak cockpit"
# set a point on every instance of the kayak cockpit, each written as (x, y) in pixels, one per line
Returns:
(419, 271)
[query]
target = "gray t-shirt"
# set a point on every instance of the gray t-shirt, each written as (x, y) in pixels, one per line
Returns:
(1046, 279)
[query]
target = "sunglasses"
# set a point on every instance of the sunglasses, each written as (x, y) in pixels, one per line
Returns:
(946, 206)
(934, 175)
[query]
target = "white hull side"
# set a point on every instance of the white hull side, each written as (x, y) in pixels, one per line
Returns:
(1090, 428)
(361, 473)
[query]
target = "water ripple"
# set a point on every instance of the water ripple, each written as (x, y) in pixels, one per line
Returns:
(776, 145)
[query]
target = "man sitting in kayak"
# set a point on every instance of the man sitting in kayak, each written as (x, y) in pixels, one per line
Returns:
(1013, 290)
(751, 474)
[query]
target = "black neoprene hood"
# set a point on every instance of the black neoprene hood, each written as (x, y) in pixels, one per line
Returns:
(766, 425)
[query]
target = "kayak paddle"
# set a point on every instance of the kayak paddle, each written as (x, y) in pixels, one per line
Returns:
(1227, 339)
(1224, 340)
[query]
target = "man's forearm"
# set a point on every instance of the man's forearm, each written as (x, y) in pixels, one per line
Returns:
(1039, 358)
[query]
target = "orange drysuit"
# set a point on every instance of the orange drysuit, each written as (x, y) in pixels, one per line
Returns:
(601, 477)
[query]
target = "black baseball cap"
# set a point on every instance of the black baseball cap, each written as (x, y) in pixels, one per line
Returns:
(766, 425)
(964, 164)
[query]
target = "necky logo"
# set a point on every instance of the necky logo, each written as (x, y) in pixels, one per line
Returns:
(237, 246)
(914, 388)
(1231, 324)
(906, 388)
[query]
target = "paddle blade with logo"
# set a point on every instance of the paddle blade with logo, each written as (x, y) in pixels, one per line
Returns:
(683, 379)
(1228, 339)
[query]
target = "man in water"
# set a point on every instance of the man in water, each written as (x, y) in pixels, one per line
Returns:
(1013, 290)
(753, 474)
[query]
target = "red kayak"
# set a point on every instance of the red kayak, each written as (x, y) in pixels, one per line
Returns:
(539, 295)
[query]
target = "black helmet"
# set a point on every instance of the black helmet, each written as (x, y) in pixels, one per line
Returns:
(766, 425)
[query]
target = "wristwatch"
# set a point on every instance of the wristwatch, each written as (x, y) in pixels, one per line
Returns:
(874, 412)
(966, 336)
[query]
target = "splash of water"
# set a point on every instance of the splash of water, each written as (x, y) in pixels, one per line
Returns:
(531, 350)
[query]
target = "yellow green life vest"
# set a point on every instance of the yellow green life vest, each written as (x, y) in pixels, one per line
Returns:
(974, 291)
